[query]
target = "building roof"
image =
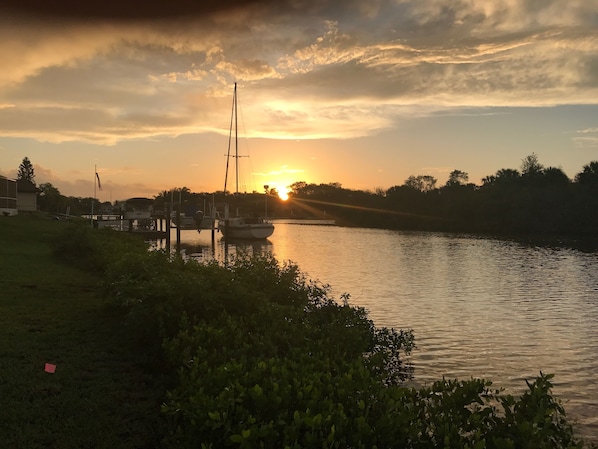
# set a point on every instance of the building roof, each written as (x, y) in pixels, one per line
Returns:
(140, 201)
(25, 186)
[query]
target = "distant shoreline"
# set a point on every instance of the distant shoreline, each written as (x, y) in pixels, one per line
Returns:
(303, 221)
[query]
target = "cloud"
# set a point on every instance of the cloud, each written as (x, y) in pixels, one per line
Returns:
(130, 10)
(76, 183)
(248, 70)
(284, 170)
(587, 140)
(105, 71)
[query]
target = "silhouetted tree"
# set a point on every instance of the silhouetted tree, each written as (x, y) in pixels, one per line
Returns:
(503, 177)
(422, 183)
(586, 198)
(508, 175)
(26, 171)
(457, 178)
(530, 166)
(589, 175)
(555, 176)
(297, 187)
(50, 199)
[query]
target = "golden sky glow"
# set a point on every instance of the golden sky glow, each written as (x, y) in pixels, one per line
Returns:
(360, 93)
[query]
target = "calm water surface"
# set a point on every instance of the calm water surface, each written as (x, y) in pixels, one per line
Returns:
(478, 307)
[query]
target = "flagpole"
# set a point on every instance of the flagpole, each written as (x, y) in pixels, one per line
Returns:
(95, 169)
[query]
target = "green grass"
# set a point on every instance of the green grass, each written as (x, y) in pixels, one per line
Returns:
(101, 395)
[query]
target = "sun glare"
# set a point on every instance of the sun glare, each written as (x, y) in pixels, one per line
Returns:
(283, 195)
(281, 190)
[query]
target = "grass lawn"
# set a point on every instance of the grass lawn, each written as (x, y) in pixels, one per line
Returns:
(101, 395)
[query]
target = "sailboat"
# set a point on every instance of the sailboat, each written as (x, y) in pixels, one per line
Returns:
(245, 228)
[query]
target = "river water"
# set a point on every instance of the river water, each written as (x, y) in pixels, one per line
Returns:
(479, 307)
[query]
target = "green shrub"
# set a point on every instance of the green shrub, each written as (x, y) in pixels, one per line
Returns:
(95, 249)
(281, 402)
(267, 381)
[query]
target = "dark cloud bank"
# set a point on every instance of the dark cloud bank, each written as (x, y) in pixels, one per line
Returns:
(143, 9)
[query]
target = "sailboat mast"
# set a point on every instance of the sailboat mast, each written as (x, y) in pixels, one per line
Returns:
(236, 144)
(230, 135)
(233, 122)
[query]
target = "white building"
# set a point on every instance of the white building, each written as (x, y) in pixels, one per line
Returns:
(26, 195)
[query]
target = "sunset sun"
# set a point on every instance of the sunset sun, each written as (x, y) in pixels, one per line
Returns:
(283, 194)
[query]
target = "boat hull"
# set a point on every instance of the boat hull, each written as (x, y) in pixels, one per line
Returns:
(184, 223)
(237, 228)
(206, 223)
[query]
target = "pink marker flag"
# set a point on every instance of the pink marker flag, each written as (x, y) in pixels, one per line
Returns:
(50, 368)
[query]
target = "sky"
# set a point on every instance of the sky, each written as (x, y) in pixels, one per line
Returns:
(364, 94)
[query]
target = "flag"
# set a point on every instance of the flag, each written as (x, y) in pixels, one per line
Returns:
(99, 183)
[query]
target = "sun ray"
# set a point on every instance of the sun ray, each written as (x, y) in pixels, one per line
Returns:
(301, 203)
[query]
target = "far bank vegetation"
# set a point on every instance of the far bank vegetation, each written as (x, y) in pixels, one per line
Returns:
(531, 199)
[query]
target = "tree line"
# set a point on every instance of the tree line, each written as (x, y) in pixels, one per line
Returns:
(531, 199)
